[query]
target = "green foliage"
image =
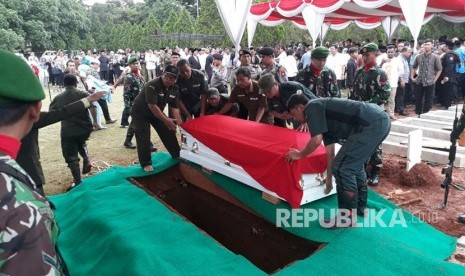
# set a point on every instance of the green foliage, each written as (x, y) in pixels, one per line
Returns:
(10, 40)
(68, 24)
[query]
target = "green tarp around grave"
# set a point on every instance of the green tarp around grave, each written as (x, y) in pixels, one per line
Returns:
(111, 227)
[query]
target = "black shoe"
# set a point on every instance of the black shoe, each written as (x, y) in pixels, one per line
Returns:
(129, 145)
(86, 167)
(373, 181)
(110, 121)
(72, 186)
(153, 149)
(461, 219)
(362, 212)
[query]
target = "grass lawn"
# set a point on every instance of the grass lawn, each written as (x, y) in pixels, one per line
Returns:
(104, 146)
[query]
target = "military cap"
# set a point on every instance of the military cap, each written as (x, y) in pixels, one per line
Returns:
(175, 54)
(244, 52)
(18, 82)
(265, 83)
(320, 52)
(218, 56)
(172, 70)
(266, 51)
(449, 44)
(132, 59)
(213, 93)
(370, 47)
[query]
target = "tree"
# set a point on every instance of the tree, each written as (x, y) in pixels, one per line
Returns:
(184, 24)
(151, 28)
(169, 28)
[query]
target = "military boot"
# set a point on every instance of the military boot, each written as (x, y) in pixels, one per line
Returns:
(76, 172)
(362, 199)
(347, 200)
(374, 180)
(86, 166)
(128, 142)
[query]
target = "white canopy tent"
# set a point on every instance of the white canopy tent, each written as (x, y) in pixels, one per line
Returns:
(318, 16)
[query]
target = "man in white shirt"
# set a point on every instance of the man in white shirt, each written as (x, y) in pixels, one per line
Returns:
(150, 61)
(337, 63)
(394, 69)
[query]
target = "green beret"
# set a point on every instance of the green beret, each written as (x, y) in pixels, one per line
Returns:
(132, 60)
(18, 82)
(320, 52)
(370, 47)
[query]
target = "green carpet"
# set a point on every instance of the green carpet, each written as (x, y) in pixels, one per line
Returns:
(111, 227)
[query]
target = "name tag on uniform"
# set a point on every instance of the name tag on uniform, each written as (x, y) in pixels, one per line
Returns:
(275, 105)
(254, 99)
(172, 96)
(161, 95)
(196, 85)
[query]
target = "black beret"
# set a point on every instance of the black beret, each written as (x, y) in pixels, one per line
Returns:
(266, 51)
(244, 52)
(218, 56)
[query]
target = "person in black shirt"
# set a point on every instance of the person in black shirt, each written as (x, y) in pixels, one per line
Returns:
(449, 77)
(351, 68)
(217, 101)
(148, 110)
(192, 91)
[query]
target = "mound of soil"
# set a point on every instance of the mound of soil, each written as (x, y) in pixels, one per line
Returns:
(420, 175)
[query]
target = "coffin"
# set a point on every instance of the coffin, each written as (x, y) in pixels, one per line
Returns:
(253, 153)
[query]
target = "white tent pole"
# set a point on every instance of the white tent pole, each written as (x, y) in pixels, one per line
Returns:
(313, 21)
(251, 27)
(234, 14)
(414, 13)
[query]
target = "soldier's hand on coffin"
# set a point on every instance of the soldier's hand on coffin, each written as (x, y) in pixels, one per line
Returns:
(303, 127)
(292, 154)
(171, 123)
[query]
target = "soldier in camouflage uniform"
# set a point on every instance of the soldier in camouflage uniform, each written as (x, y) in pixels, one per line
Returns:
(371, 85)
(269, 66)
(245, 58)
(319, 79)
(28, 231)
(133, 83)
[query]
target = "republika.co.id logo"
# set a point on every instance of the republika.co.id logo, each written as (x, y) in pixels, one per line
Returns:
(299, 218)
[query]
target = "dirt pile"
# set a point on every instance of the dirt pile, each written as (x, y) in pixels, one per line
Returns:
(419, 176)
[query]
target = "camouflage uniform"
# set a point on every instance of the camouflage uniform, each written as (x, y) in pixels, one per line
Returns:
(28, 229)
(132, 86)
(274, 70)
(323, 86)
(254, 70)
(372, 86)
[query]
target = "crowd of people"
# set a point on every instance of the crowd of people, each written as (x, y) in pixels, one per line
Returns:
(344, 93)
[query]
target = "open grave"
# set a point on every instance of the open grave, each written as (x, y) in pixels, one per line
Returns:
(224, 218)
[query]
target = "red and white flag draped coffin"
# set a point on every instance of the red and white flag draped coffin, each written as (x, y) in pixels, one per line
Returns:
(253, 154)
